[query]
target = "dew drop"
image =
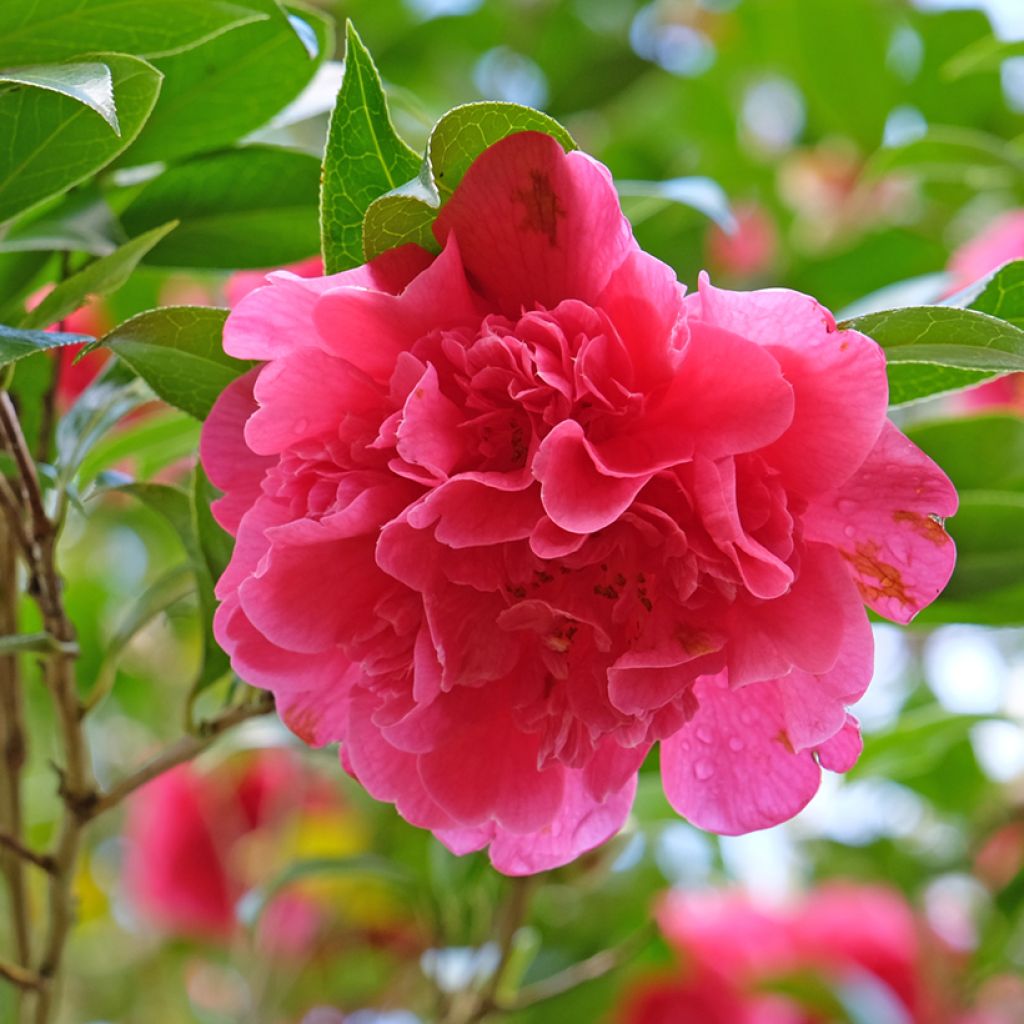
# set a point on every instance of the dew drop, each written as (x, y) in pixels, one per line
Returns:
(704, 734)
(735, 744)
(849, 531)
(846, 506)
(748, 716)
(703, 769)
(300, 425)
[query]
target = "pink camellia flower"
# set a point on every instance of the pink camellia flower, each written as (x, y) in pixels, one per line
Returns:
(507, 516)
(197, 841)
(851, 937)
(244, 281)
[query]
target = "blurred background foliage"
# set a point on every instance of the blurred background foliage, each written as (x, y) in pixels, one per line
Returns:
(859, 144)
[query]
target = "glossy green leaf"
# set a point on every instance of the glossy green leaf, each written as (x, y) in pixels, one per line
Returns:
(88, 82)
(407, 213)
(52, 142)
(250, 207)
(229, 86)
(53, 30)
(177, 351)
(701, 194)
(101, 277)
(16, 343)
(80, 221)
(1002, 294)
(977, 452)
(364, 158)
(934, 349)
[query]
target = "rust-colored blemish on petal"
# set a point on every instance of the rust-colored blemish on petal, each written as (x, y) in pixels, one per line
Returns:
(888, 581)
(541, 206)
(696, 643)
(929, 528)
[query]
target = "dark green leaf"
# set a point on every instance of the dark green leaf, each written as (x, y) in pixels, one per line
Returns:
(15, 343)
(52, 30)
(364, 158)
(89, 83)
(101, 277)
(215, 93)
(52, 142)
(407, 212)
(977, 452)
(934, 349)
(989, 533)
(177, 351)
(250, 207)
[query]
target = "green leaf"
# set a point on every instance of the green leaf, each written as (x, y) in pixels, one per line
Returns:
(364, 157)
(101, 277)
(53, 30)
(985, 54)
(976, 452)
(15, 343)
(250, 207)
(81, 221)
(702, 194)
(52, 142)
(407, 213)
(177, 351)
(89, 83)
(223, 89)
(176, 506)
(955, 155)
(933, 349)
(1002, 294)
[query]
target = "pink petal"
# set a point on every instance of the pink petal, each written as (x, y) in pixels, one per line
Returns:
(371, 328)
(730, 769)
(881, 522)
(229, 462)
(840, 752)
(428, 433)
(536, 225)
(838, 380)
(277, 318)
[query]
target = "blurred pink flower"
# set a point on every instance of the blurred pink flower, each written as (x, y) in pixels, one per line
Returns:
(843, 934)
(74, 377)
(198, 841)
(751, 250)
(244, 281)
(509, 515)
(1000, 242)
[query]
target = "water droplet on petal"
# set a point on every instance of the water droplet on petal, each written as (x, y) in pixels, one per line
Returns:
(735, 744)
(849, 531)
(703, 769)
(846, 507)
(300, 425)
(748, 716)
(704, 734)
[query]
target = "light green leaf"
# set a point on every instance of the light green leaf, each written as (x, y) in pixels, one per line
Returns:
(177, 351)
(101, 277)
(933, 349)
(985, 54)
(176, 506)
(407, 213)
(15, 343)
(53, 30)
(702, 194)
(1002, 294)
(959, 155)
(249, 207)
(364, 158)
(81, 221)
(977, 452)
(52, 142)
(89, 83)
(223, 89)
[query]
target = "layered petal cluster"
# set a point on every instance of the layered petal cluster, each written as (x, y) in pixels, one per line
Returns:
(509, 515)
(864, 941)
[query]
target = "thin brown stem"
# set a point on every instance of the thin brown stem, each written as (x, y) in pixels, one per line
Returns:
(180, 751)
(22, 977)
(17, 848)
